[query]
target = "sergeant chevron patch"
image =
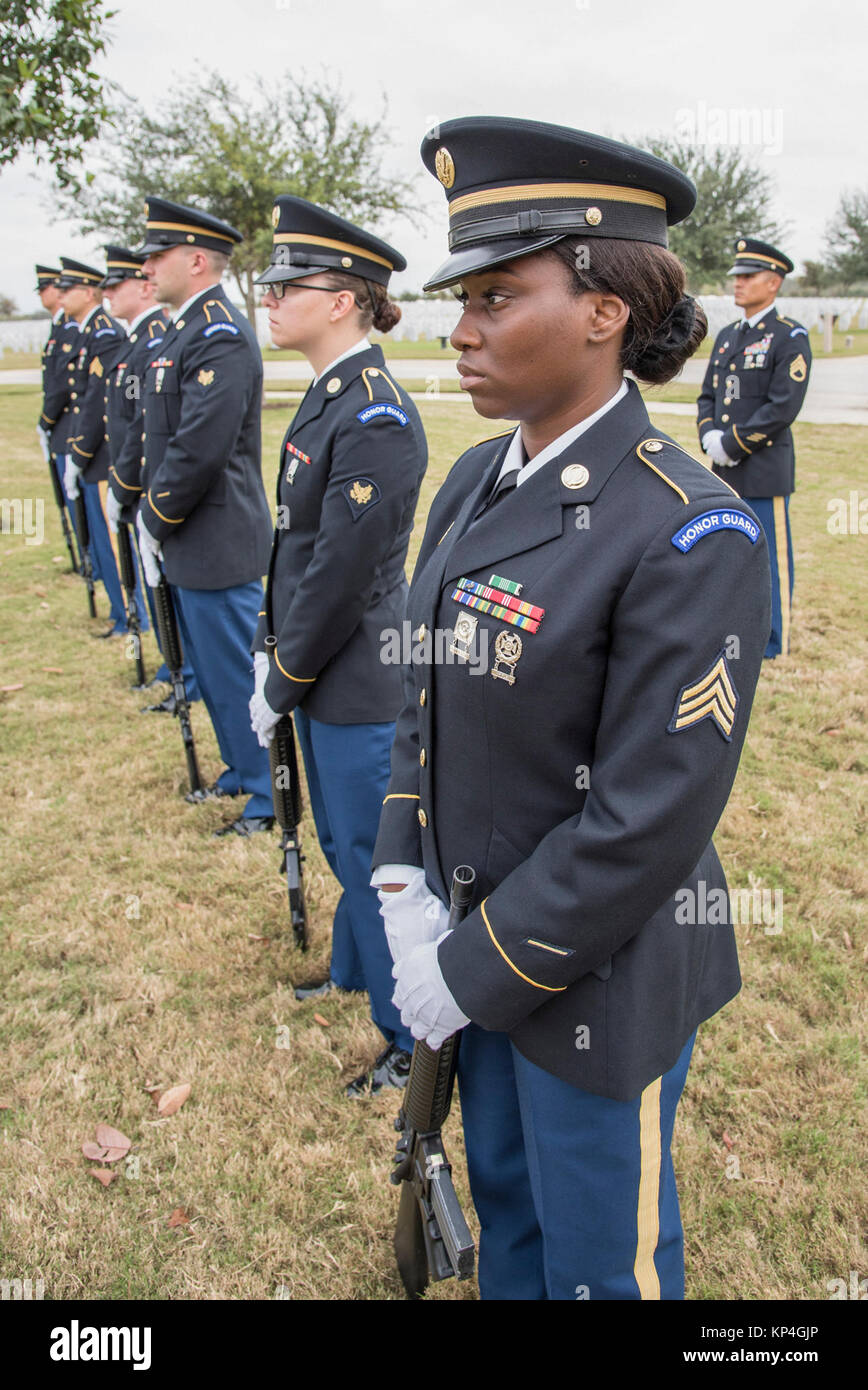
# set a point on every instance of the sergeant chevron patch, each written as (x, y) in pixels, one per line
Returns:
(713, 696)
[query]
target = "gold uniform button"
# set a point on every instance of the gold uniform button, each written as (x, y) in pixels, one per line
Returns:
(374, 371)
(593, 217)
(346, 262)
(769, 443)
(423, 819)
(105, 419)
(653, 446)
(732, 366)
(75, 410)
(333, 385)
(423, 697)
(423, 633)
(725, 419)
(74, 396)
(574, 476)
(727, 400)
(423, 758)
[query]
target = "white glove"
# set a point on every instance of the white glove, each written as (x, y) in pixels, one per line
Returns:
(412, 917)
(715, 450)
(426, 1006)
(43, 442)
(113, 512)
(263, 718)
(71, 475)
(260, 672)
(150, 551)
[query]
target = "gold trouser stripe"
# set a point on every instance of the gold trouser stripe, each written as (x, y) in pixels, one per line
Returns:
(296, 240)
(780, 516)
(299, 680)
(400, 796)
(551, 989)
(648, 1209)
(524, 192)
(653, 466)
(169, 520)
(184, 227)
(103, 494)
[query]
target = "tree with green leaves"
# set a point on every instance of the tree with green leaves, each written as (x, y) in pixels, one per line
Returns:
(52, 103)
(217, 149)
(847, 240)
(733, 199)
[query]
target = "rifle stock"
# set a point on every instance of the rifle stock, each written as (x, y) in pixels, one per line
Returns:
(61, 506)
(170, 644)
(286, 791)
(128, 580)
(432, 1238)
(83, 529)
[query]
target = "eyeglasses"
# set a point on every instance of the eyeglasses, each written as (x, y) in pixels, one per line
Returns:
(278, 288)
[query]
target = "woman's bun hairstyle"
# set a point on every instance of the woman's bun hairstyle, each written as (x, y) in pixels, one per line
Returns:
(665, 326)
(376, 309)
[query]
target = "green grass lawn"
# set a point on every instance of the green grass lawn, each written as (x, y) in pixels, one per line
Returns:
(137, 951)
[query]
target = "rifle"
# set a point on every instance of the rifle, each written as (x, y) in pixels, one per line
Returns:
(432, 1239)
(83, 530)
(170, 646)
(128, 580)
(287, 808)
(61, 506)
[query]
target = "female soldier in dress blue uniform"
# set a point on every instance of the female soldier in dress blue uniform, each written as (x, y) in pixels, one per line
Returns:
(351, 465)
(617, 593)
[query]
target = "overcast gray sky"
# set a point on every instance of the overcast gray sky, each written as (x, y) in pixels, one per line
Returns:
(624, 68)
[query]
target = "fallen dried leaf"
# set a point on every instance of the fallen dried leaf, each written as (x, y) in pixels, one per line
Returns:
(173, 1099)
(848, 940)
(94, 1151)
(5, 1105)
(55, 670)
(112, 1155)
(112, 1138)
(178, 1218)
(19, 686)
(726, 1139)
(103, 1175)
(150, 1088)
(323, 1022)
(771, 1031)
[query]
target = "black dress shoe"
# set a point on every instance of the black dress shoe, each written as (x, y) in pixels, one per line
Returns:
(109, 632)
(167, 706)
(315, 991)
(246, 825)
(392, 1068)
(212, 793)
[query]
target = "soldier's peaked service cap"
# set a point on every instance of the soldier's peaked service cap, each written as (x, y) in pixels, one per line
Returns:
(46, 275)
(77, 273)
(515, 186)
(122, 264)
(308, 238)
(172, 224)
(752, 255)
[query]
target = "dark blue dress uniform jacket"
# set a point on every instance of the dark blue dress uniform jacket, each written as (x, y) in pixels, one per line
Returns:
(581, 812)
(93, 358)
(351, 466)
(201, 448)
(753, 390)
(57, 356)
(123, 407)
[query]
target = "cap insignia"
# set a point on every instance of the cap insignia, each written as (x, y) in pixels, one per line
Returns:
(444, 167)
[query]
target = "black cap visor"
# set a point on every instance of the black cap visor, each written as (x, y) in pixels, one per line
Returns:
(474, 259)
(275, 273)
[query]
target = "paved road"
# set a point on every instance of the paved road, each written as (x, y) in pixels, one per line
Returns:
(837, 392)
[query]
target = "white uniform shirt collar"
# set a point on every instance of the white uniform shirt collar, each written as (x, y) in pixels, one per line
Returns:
(86, 320)
(754, 320)
(151, 309)
(515, 453)
(56, 318)
(179, 313)
(361, 346)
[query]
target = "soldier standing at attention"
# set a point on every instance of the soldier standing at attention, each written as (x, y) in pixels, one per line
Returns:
(55, 375)
(203, 509)
(97, 349)
(351, 465)
(753, 390)
(618, 595)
